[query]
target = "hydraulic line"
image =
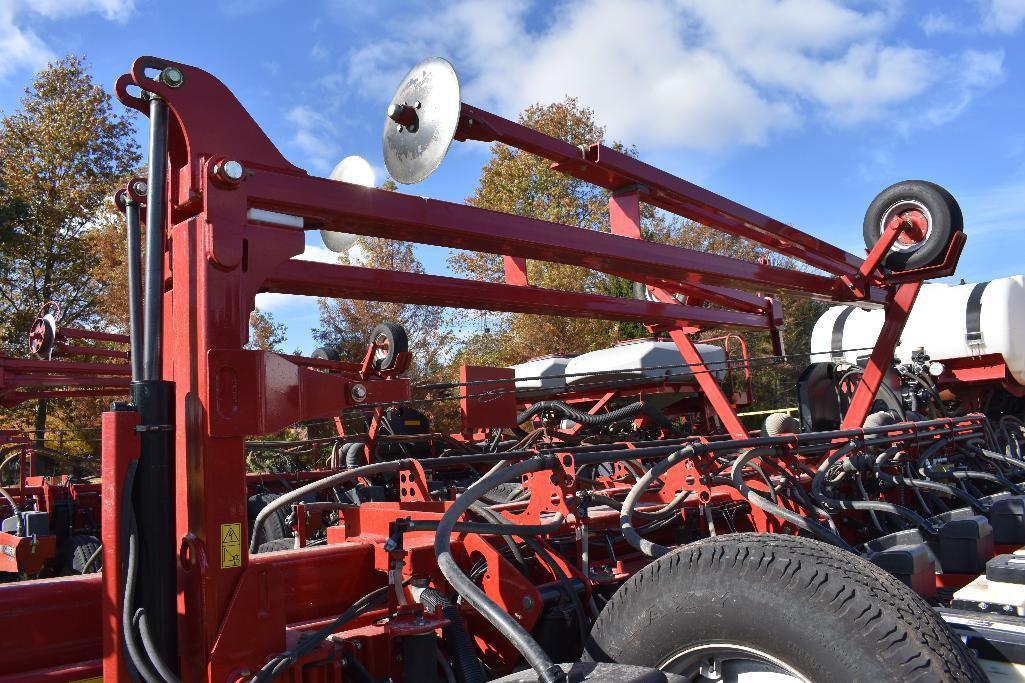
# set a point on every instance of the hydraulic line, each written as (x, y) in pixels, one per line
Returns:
(807, 524)
(579, 416)
(295, 495)
(309, 642)
(538, 659)
(828, 502)
(455, 635)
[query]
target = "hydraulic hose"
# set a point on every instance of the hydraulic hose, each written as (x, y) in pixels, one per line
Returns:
(538, 659)
(881, 506)
(579, 416)
(309, 642)
(351, 454)
(296, 495)
(806, 524)
(626, 512)
(15, 509)
(461, 648)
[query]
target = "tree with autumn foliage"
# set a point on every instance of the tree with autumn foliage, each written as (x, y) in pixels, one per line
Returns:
(265, 332)
(63, 154)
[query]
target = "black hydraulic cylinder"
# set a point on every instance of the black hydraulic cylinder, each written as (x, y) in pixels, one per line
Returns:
(155, 209)
(134, 288)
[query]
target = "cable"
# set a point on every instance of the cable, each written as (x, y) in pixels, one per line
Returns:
(538, 659)
(308, 642)
(327, 482)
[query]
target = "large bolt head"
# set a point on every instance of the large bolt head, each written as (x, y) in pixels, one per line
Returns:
(139, 187)
(172, 77)
(358, 392)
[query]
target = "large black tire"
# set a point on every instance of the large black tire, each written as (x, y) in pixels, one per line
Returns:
(75, 553)
(824, 613)
(391, 340)
(945, 220)
(275, 527)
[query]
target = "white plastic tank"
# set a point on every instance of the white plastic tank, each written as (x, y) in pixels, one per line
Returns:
(547, 375)
(640, 361)
(938, 323)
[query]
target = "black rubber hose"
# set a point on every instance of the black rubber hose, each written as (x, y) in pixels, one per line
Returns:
(129, 537)
(308, 642)
(485, 513)
(822, 532)
(353, 455)
(331, 481)
(464, 654)
(521, 530)
(881, 506)
(580, 417)
(518, 636)
(626, 512)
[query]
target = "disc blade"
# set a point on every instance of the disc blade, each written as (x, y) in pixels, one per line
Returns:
(422, 119)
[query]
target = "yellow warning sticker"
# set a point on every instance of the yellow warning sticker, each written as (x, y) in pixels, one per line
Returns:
(97, 679)
(231, 545)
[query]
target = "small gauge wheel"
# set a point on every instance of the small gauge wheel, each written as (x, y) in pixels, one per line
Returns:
(390, 340)
(930, 216)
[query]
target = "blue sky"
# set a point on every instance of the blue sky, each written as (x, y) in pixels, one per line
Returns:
(802, 109)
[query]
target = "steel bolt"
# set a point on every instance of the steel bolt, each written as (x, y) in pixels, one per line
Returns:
(358, 392)
(528, 602)
(172, 77)
(231, 171)
(139, 187)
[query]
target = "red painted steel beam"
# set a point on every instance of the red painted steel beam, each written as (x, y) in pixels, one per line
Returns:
(882, 355)
(329, 280)
(379, 213)
(614, 170)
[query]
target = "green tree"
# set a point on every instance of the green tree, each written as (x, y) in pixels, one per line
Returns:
(64, 152)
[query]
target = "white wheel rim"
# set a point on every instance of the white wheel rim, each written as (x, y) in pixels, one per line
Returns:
(894, 211)
(730, 663)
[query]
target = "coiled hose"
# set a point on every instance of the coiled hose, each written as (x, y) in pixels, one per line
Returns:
(455, 635)
(580, 417)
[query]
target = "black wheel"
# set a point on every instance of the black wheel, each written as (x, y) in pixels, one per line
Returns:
(326, 353)
(933, 218)
(275, 527)
(391, 340)
(78, 555)
(787, 607)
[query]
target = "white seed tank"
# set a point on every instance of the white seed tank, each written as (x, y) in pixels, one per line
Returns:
(546, 375)
(641, 360)
(948, 321)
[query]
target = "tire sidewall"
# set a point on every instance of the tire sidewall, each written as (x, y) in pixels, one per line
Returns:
(945, 216)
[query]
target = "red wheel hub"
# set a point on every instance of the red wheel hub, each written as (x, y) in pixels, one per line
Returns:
(915, 226)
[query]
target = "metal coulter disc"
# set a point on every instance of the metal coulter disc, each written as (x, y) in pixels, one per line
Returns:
(421, 121)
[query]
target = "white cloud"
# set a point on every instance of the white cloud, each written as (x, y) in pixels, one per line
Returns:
(21, 46)
(1003, 16)
(935, 23)
(314, 137)
(697, 73)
